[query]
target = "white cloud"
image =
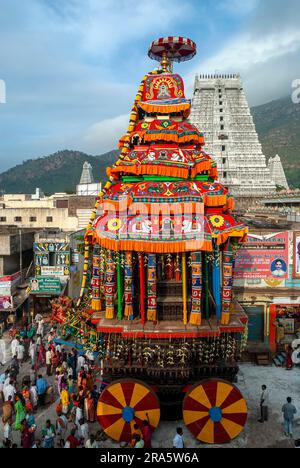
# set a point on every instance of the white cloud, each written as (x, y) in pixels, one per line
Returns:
(104, 136)
(68, 64)
(238, 7)
(267, 57)
(106, 25)
(244, 52)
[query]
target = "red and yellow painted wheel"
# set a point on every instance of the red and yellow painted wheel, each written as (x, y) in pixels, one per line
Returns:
(215, 411)
(124, 403)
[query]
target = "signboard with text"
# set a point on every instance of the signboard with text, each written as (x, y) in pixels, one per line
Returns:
(296, 255)
(263, 257)
(52, 271)
(45, 285)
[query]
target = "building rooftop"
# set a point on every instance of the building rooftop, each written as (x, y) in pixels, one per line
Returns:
(5, 230)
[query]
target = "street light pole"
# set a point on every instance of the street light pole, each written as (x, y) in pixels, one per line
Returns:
(21, 259)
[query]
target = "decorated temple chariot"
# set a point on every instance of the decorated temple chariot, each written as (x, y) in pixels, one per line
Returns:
(159, 262)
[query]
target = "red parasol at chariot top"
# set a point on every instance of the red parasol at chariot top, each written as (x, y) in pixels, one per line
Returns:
(175, 48)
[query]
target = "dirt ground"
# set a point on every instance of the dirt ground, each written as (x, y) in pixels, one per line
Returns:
(281, 384)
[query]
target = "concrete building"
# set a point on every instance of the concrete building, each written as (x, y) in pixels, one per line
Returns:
(16, 256)
(220, 110)
(59, 211)
(286, 203)
(12, 242)
(267, 285)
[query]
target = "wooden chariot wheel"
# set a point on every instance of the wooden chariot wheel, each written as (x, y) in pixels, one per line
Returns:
(215, 411)
(124, 403)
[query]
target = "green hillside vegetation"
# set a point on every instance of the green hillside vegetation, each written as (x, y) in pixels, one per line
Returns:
(278, 127)
(59, 172)
(277, 124)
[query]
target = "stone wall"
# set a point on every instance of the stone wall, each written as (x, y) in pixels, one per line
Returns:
(80, 202)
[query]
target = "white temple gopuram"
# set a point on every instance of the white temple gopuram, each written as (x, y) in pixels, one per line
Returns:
(277, 172)
(221, 111)
(87, 186)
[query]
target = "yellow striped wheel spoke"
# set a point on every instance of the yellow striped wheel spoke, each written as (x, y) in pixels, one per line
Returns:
(139, 392)
(103, 409)
(237, 407)
(199, 395)
(232, 429)
(115, 430)
(154, 416)
(222, 393)
(117, 391)
(207, 433)
(193, 416)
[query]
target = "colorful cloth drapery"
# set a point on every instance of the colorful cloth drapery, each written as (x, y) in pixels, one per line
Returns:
(110, 285)
(142, 287)
(206, 285)
(184, 288)
(216, 280)
(128, 285)
(196, 314)
(102, 270)
(119, 286)
(96, 301)
(228, 263)
(152, 282)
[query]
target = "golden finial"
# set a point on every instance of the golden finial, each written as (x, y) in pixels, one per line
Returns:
(165, 63)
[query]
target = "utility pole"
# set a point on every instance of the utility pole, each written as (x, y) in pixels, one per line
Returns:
(21, 255)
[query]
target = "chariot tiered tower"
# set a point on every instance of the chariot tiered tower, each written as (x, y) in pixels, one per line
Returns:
(159, 261)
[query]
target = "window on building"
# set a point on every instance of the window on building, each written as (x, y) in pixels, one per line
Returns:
(221, 110)
(62, 203)
(49, 219)
(32, 219)
(18, 219)
(2, 219)
(221, 103)
(222, 127)
(224, 175)
(224, 160)
(223, 148)
(221, 119)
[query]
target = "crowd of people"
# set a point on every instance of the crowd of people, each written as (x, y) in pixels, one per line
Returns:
(56, 373)
(44, 370)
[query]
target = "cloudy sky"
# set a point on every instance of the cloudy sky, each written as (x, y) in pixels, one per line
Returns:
(72, 67)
